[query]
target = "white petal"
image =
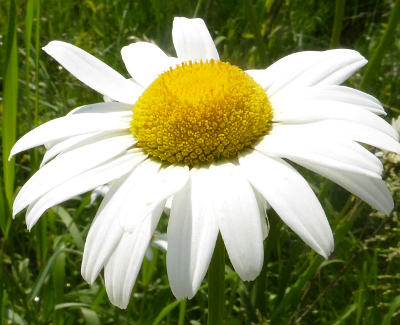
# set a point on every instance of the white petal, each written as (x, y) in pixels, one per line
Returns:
(93, 72)
(262, 206)
(108, 107)
(148, 185)
(341, 95)
(167, 208)
(70, 143)
(334, 153)
(192, 40)
(309, 68)
(192, 233)
(302, 111)
(371, 190)
(340, 130)
(68, 165)
(291, 197)
(117, 109)
(285, 68)
(104, 234)
(82, 183)
(238, 216)
(160, 241)
(70, 125)
(99, 191)
(145, 61)
(114, 109)
(124, 265)
(331, 68)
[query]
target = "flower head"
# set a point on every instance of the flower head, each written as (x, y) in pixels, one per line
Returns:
(215, 139)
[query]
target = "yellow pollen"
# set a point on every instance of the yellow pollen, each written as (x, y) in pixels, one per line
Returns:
(200, 112)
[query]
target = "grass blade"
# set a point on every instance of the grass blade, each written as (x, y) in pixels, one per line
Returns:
(337, 25)
(393, 307)
(72, 227)
(165, 311)
(10, 101)
(384, 45)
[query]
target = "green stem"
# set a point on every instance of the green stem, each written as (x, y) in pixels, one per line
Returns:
(182, 311)
(216, 285)
(337, 24)
(383, 46)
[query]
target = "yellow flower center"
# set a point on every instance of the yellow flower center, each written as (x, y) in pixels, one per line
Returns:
(200, 112)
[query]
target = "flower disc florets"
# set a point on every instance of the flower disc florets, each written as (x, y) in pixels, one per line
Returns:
(199, 112)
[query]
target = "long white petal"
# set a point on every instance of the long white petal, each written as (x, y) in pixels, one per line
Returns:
(309, 68)
(331, 68)
(303, 111)
(84, 182)
(68, 165)
(238, 216)
(371, 190)
(262, 206)
(108, 107)
(285, 68)
(105, 232)
(124, 264)
(148, 186)
(192, 233)
(93, 72)
(70, 125)
(334, 153)
(126, 203)
(192, 40)
(146, 61)
(340, 130)
(291, 197)
(72, 143)
(117, 109)
(341, 95)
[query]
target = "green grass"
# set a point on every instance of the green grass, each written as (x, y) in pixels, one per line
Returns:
(40, 281)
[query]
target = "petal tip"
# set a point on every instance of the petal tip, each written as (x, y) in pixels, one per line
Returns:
(11, 154)
(120, 303)
(16, 208)
(388, 208)
(87, 277)
(49, 46)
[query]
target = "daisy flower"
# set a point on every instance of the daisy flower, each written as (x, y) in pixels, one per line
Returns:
(218, 141)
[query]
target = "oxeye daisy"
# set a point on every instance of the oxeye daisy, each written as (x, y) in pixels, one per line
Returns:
(218, 141)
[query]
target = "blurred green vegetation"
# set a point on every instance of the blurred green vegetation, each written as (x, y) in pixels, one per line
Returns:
(40, 281)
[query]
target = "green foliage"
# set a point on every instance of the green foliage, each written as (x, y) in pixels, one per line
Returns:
(40, 281)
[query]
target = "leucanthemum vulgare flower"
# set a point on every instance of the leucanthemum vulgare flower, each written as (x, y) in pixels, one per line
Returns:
(218, 141)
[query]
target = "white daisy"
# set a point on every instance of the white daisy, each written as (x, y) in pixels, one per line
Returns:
(213, 138)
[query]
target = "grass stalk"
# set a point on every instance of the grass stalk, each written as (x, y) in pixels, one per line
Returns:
(384, 45)
(10, 102)
(337, 24)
